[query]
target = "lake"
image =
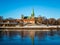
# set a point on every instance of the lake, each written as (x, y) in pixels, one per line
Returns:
(23, 38)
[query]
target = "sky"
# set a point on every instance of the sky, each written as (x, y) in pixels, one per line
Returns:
(14, 8)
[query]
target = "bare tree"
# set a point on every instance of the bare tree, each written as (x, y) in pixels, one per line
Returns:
(1, 17)
(45, 21)
(51, 21)
(9, 18)
(58, 21)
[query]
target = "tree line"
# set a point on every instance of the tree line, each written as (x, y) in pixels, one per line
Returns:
(40, 20)
(45, 21)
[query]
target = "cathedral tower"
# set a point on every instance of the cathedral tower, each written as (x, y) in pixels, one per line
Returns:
(32, 15)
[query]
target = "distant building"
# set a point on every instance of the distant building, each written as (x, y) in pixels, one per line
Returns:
(30, 19)
(15, 22)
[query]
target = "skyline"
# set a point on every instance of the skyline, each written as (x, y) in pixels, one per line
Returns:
(14, 8)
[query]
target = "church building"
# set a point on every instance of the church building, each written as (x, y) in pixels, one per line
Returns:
(30, 19)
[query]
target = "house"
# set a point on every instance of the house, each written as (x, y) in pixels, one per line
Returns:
(29, 21)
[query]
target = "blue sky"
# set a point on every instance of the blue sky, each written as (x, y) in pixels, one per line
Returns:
(14, 8)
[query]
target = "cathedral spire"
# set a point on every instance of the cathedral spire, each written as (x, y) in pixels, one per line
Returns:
(32, 13)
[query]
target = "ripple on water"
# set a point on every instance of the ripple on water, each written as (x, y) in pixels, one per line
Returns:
(44, 40)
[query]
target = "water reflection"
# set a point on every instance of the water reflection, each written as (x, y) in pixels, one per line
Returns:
(12, 34)
(41, 35)
(58, 32)
(1, 36)
(24, 36)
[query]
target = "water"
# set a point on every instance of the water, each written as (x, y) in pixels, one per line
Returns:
(40, 38)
